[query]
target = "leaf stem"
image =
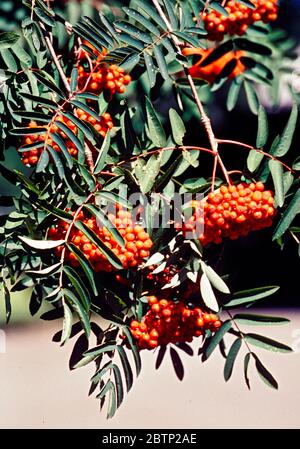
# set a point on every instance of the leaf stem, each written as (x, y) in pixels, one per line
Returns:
(250, 147)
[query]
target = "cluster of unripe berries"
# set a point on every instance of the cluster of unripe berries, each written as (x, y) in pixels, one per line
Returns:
(232, 212)
(168, 321)
(101, 76)
(31, 157)
(137, 241)
(239, 18)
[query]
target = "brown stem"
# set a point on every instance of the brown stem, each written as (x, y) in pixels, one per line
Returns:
(56, 61)
(213, 178)
(250, 147)
(239, 331)
(181, 148)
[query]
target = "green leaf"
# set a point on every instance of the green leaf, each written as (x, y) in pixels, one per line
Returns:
(112, 403)
(101, 159)
(151, 70)
(277, 175)
(99, 31)
(214, 278)
(113, 197)
(156, 131)
(218, 7)
(135, 351)
(85, 265)
(118, 385)
(244, 44)
(39, 100)
(45, 271)
(178, 127)
(8, 39)
(161, 61)
(246, 296)
(101, 349)
(92, 236)
(207, 293)
(41, 244)
(163, 180)
(28, 131)
(108, 26)
(147, 173)
(231, 357)
(57, 161)
(86, 32)
(246, 366)
(263, 128)
(134, 31)
(287, 136)
(135, 15)
(74, 79)
(292, 210)
(43, 161)
(191, 158)
(79, 309)
(44, 17)
(67, 324)
(131, 41)
(49, 84)
(264, 374)
(254, 159)
(266, 343)
(74, 139)
(64, 149)
(79, 286)
(253, 319)
(100, 373)
(251, 97)
(233, 94)
(216, 338)
(217, 53)
(130, 62)
(151, 13)
(171, 14)
(104, 220)
(87, 109)
(126, 367)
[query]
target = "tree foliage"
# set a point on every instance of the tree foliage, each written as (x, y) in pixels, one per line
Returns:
(145, 152)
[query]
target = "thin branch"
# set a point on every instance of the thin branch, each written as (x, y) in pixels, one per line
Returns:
(180, 148)
(250, 147)
(56, 61)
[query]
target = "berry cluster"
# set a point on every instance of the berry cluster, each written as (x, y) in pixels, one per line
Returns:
(104, 77)
(137, 241)
(239, 18)
(232, 212)
(31, 157)
(171, 322)
(101, 76)
(210, 72)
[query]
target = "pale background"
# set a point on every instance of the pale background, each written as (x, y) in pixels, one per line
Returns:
(38, 391)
